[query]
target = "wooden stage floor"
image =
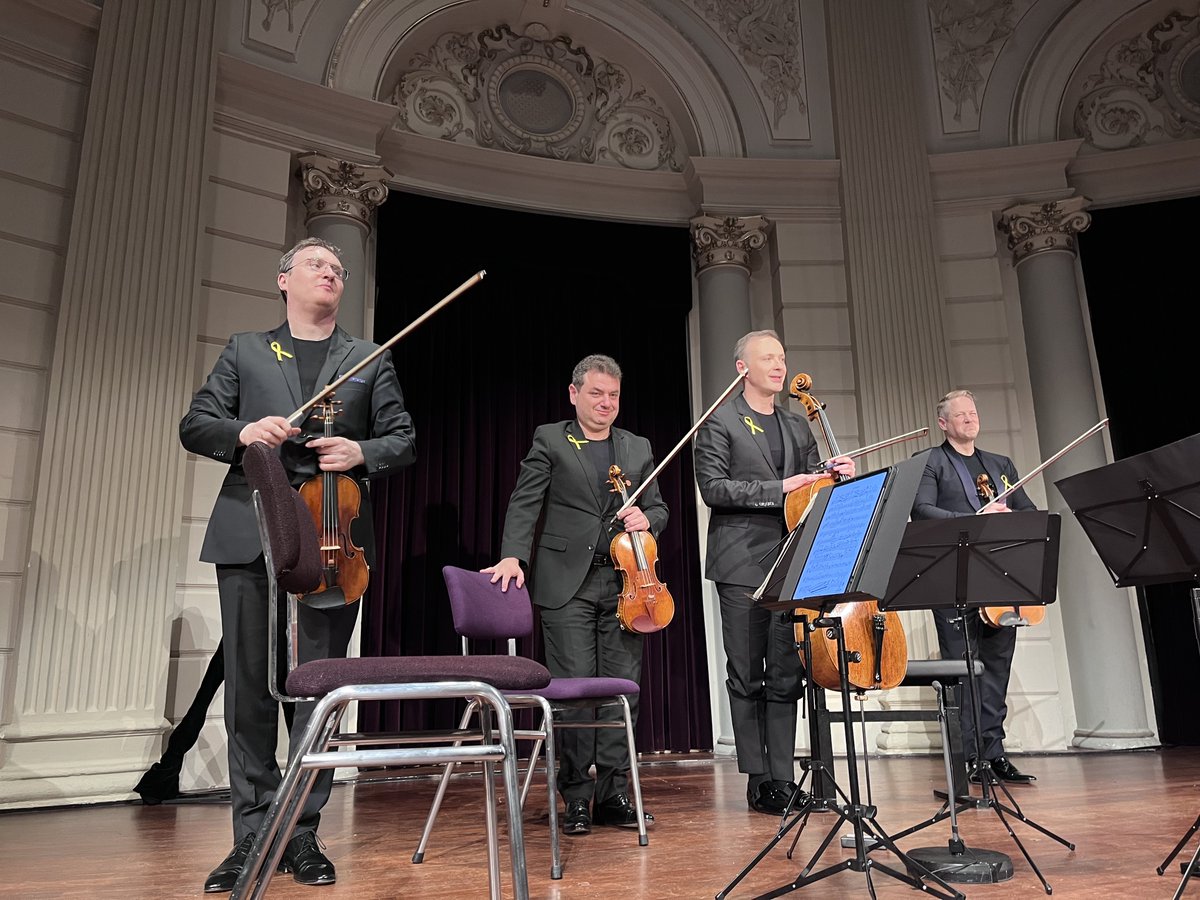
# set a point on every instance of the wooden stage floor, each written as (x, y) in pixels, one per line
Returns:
(1124, 811)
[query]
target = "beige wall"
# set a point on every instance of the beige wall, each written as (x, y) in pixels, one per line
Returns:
(43, 101)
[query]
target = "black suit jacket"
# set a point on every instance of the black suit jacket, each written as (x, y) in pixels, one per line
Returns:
(739, 483)
(556, 477)
(943, 494)
(250, 381)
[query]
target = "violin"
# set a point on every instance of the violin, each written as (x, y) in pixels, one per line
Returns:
(333, 499)
(876, 647)
(1011, 615)
(645, 605)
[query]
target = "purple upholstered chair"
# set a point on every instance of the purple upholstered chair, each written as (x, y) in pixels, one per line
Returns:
(292, 558)
(481, 611)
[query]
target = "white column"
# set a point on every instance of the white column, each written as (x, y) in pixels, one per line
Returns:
(1106, 673)
(99, 595)
(901, 356)
(341, 198)
(723, 248)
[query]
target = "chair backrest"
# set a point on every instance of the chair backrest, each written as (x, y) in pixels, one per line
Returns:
(482, 611)
(295, 551)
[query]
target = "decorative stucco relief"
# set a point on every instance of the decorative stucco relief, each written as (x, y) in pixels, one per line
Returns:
(536, 94)
(766, 36)
(967, 37)
(1147, 89)
(276, 26)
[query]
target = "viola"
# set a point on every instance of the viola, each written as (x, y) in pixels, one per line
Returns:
(645, 605)
(876, 648)
(333, 499)
(1011, 615)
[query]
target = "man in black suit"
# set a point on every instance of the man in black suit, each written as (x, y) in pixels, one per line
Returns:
(257, 380)
(573, 582)
(957, 480)
(749, 455)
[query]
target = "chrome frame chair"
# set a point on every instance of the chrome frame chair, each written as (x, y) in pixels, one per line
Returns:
(292, 561)
(510, 617)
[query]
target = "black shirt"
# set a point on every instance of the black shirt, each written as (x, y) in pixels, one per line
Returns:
(974, 465)
(310, 359)
(773, 432)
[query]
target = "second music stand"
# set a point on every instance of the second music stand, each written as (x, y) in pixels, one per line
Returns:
(964, 563)
(1142, 514)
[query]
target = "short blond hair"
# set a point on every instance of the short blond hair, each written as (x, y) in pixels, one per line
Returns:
(944, 403)
(739, 349)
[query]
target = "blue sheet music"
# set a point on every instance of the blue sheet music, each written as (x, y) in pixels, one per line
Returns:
(840, 537)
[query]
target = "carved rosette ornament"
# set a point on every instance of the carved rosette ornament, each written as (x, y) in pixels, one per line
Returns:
(536, 94)
(334, 187)
(727, 240)
(1034, 228)
(1147, 90)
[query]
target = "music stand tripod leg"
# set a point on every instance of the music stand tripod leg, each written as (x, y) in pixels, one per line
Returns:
(988, 781)
(861, 818)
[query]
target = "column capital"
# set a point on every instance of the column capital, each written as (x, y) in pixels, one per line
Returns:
(1034, 228)
(727, 240)
(335, 187)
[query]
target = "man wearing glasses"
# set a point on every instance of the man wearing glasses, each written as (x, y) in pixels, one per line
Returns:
(259, 379)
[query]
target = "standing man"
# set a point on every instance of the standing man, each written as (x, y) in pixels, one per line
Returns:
(573, 581)
(749, 455)
(953, 485)
(258, 379)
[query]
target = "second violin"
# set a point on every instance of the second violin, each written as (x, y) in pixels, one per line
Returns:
(645, 605)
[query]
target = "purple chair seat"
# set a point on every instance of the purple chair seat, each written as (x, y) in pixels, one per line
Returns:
(506, 673)
(565, 689)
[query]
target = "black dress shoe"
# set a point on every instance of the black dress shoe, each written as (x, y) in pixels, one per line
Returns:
(222, 879)
(304, 859)
(769, 798)
(1006, 771)
(619, 812)
(577, 820)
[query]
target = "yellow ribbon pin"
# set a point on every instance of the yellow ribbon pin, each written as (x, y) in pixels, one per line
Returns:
(1004, 482)
(280, 353)
(576, 441)
(752, 426)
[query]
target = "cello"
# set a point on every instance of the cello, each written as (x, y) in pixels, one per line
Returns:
(877, 649)
(333, 500)
(644, 605)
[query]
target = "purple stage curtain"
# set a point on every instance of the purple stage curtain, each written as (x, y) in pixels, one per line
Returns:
(482, 374)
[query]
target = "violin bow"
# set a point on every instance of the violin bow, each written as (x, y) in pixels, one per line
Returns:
(682, 441)
(878, 445)
(999, 498)
(404, 332)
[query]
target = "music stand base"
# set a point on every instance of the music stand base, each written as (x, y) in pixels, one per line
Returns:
(972, 867)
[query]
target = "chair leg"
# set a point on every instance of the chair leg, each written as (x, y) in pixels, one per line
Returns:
(534, 753)
(512, 793)
(447, 771)
(556, 867)
(643, 838)
(489, 790)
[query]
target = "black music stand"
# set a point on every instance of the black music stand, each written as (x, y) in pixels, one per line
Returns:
(845, 553)
(964, 563)
(1142, 514)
